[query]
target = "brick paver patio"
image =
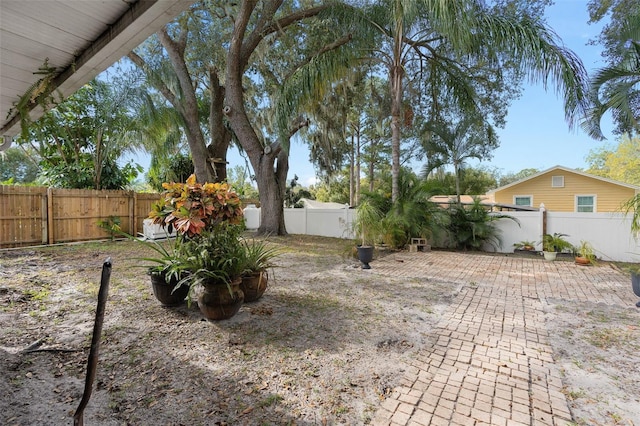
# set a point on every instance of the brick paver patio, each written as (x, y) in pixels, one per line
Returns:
(492, 363)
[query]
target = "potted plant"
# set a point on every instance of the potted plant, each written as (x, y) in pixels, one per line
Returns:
(525, 245)
(585, 254)
(214, 264)
(258, 258)
(191, 207)
(367, 228)
(208, 220)
(554, 244)
(166, 274)
(165, 271)
(635, 282)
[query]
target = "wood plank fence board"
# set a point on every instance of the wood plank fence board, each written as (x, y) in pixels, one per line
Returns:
(39, 215)
(21, 215)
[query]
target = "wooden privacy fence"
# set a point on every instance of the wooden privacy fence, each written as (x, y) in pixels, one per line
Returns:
(39, 215)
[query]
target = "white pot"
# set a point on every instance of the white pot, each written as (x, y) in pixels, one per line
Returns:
(549, 255)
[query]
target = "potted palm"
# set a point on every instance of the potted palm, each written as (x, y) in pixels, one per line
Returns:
(367, 228)
(585, 254)
(552, 244)
(258, 258)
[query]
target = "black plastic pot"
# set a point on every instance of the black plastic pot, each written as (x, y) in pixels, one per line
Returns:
(365, 255)
(635, 285)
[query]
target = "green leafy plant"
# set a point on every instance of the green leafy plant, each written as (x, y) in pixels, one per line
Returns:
(524, 245)
(585, 250)
(556, 243)
(216, 256)
(167, 263)
(412, 215)
(111, 225)
(472, 227)
(258, 255)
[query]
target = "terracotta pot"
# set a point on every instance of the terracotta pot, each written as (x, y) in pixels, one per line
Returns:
(166, 293)
(217, 301)
(582, 261)
(253, 286)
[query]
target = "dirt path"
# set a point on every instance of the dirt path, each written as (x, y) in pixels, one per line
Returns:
(325, 345)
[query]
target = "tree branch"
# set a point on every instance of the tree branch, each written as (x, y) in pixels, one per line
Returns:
(331, 46)
(157, 83)
(267, 26)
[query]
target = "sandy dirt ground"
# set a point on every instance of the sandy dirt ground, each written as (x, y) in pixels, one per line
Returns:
(326, 344)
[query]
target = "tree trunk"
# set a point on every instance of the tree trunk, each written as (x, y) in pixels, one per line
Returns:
(188, 104)
(396, 74)
(220, 135)
(271, 183)
(456, 171)
(372, 165)
(357, 167)
(352, 173)
(396, 102)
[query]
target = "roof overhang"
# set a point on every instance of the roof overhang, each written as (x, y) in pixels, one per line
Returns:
(80, 39)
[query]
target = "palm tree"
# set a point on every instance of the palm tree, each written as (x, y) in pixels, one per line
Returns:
(454, 41)
(412, 214)
(454, 144)
(617, 88)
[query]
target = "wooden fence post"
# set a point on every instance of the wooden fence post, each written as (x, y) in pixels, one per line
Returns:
(133, 226)
(50, 215)
(44, 216)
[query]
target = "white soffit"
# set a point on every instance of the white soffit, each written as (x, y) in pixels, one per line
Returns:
(80, 38)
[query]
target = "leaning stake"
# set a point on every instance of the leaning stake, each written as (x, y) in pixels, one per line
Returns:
(92, 364)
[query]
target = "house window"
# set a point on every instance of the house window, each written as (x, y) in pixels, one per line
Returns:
(557, 181)
(523, 200)
(586, 203)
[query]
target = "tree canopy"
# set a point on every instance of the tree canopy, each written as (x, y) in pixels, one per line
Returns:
(80, 141)
(620, 162)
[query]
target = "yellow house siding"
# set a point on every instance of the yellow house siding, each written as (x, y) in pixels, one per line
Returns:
(609, 196)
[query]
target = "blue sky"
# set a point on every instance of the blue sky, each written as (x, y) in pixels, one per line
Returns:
(536, 134)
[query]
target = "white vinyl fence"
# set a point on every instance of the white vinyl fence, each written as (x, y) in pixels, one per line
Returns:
(609, 233)
(322, 222)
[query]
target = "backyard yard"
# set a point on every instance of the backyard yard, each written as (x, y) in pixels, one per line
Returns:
(326, 344)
